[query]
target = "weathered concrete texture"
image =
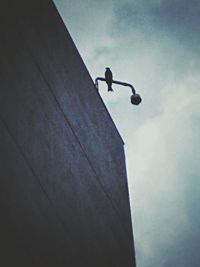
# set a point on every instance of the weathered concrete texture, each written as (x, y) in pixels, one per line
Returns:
(63, 194)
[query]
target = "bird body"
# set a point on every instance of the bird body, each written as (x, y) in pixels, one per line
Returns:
(109, 78)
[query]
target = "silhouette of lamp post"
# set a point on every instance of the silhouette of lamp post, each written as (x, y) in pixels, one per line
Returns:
(135, 98)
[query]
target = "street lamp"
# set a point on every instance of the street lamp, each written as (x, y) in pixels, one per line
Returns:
(135, 98)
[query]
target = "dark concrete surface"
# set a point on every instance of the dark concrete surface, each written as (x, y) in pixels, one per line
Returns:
(63, 195)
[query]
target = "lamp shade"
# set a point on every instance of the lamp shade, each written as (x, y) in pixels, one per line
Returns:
(136, 99)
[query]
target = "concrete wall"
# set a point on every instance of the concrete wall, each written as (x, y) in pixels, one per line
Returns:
(63, 192)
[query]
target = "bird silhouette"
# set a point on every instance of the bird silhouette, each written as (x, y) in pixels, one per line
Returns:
(109, 78)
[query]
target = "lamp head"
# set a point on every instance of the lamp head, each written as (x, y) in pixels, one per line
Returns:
(136, 99)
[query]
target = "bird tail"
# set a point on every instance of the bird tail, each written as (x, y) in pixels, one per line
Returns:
(110, 88)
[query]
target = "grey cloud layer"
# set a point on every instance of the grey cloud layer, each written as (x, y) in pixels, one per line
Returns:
(180, 16)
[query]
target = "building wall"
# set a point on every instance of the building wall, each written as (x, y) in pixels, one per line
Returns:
(63, 194)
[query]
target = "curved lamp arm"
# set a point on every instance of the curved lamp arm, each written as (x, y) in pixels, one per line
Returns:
(117, 82)
(135, 98)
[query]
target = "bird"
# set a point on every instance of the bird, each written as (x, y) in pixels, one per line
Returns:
(109, 78)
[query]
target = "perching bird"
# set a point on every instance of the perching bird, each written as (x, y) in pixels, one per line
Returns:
(109, 78)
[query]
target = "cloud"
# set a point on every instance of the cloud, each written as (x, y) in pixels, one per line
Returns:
(164, 176)
(89, 24)
(161, 136)
(180, 19)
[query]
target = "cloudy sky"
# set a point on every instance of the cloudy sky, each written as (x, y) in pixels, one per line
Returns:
(154, 44)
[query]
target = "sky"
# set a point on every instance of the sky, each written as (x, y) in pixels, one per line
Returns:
(155, 45)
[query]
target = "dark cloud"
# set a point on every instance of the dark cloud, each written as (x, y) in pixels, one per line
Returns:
(180, 14)
(180, 19)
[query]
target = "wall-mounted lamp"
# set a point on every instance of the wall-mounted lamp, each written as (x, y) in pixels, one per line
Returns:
(135, 98)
